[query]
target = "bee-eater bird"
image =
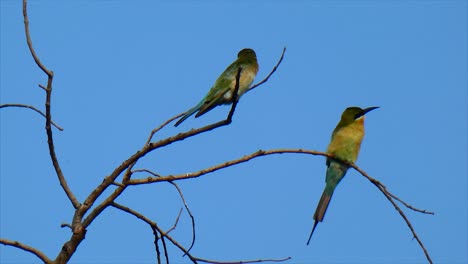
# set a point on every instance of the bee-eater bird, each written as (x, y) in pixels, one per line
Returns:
(344, 145)
(223, 88)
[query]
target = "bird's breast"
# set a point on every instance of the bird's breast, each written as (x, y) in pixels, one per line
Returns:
(245, 80)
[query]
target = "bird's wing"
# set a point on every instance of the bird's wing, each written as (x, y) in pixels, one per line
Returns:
(216, 94)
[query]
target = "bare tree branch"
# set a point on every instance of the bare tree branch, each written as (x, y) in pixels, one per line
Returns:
(130, 162)
(382, 188)
(154, 131)
(188, 211)
(271, 73)
(390, 197)
(27, 248)
(175, 222)
(30, 45)
(242, 261)
(79, 224)
(183, 200)
(166, 254)
(50, 139)
(156, 244)
(32, 108)
(42, 87)
(175, 243)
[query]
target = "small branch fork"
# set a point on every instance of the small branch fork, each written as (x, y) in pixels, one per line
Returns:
(161, 234)
(183, 200)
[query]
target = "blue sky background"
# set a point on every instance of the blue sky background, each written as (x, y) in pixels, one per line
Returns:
(123, 67)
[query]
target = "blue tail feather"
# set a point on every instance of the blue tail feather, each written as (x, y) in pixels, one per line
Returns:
(189, 113)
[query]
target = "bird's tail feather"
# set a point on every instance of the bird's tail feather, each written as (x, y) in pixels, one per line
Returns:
(190, 112)
(312, 232)
(320, 211)
(322, 206)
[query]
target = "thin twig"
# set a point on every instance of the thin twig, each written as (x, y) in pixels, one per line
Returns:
(183, 200)
(27, 248)
(42, 87)
(192, 218)
(390, 197)
(147, 171)
(175, 222)
(32, 108)
(154, 131)
(423, 211)
(243, 261)
(156, 245)
(175, 243)
(271, 73)
(66, 225)
(149, 222)
(378, 183)
(166, 254)
(30, 44)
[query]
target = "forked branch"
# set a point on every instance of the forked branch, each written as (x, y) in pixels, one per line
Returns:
(164, 234)
(48, 115)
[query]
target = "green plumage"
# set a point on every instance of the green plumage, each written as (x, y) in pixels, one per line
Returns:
(344, 145)
(221, 91)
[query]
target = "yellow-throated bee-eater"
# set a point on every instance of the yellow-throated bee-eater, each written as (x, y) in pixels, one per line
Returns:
(344, 145)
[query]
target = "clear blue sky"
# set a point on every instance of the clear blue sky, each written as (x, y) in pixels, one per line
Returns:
(123, 67)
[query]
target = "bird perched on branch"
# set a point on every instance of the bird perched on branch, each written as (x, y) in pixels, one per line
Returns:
(223, 88)
(345, 144)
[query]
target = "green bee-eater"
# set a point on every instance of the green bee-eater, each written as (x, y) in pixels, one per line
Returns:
(344, 145)
(221, 92)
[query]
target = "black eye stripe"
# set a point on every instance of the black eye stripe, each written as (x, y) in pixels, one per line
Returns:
(358, 115)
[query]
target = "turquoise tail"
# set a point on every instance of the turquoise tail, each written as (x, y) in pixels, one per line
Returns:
(189, 113)
(335, 173)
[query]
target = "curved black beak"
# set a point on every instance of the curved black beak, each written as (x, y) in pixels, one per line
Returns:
(367, 110)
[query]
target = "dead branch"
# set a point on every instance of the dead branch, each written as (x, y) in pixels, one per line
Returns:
(381, 187)
(390, 198)
(154, 131)
(79, 224)
(175, 222)
(156, 245)
(183, 200)
(130, 162)
(27, 248)
(48, 115)
(32, 108)
(270, 74)
(176, 244)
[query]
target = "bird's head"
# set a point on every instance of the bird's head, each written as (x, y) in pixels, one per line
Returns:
(246, 53)
(353, 113)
